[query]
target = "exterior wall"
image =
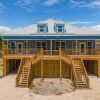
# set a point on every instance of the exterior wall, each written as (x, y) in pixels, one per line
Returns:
(32, 44)
(48, 45)
(69, 44)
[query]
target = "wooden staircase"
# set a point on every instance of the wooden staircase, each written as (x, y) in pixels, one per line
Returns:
(23, 73)
(79, 73)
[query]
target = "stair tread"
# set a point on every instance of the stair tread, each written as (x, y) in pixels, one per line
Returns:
(81, 77)
(24, 73)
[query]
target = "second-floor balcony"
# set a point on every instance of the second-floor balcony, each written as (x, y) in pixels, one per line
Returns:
(67, 51)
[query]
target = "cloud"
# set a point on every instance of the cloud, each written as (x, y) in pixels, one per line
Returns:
(95, 4)
(80, 22)
(51, 2)
(74, 3)
(29, 5)
(84, 4)
(97, 27)
(36, 5)
(1, 7)
(4, 29)
(24, 2)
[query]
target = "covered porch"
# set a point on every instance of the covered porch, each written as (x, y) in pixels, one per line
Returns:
(68, 47)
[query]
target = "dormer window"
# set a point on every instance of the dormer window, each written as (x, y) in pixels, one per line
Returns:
(42, 28)
(59, 28)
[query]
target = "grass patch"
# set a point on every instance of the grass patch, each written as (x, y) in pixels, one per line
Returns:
(1, 76)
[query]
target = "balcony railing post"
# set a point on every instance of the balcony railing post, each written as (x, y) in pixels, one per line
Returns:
(41, 51)
(60, 51)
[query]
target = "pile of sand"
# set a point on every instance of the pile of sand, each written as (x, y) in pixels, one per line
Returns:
(52, 86)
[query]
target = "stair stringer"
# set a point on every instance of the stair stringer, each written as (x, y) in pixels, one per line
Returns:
(82, 80)
(21, 74)
(30, 74)
(24, 75)
(69, 60)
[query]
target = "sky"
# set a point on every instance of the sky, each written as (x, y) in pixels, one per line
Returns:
(20, 13)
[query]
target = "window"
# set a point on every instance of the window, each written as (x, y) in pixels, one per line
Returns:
(12, 44)
(42, 44)
(89, 44)
(60, 44)
(42, 28)
(59, 28)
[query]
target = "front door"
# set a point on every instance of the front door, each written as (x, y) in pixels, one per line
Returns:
(82, 48)
(19, 47)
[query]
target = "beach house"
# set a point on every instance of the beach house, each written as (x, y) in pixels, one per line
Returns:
(52, 49)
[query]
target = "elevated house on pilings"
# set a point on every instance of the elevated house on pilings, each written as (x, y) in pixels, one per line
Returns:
(52, 49)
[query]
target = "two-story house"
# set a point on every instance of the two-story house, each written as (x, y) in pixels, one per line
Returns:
(54, 49)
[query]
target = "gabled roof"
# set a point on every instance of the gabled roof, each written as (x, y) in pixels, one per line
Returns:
(70, 30)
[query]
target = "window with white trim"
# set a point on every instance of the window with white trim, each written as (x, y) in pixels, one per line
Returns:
(90, 44)
(42, 28)
(59, 28)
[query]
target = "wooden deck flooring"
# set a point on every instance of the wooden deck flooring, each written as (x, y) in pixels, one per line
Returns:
(52, 57)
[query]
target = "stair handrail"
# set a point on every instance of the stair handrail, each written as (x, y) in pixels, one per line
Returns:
(73, 70)
(75, 76)
(38, 55)
(85, 73)
(19, 72)
(29, 73)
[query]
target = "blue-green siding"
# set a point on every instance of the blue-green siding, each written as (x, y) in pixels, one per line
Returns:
(32, 44)
(51, 37)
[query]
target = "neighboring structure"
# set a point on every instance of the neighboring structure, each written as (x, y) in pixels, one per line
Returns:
(52, 49)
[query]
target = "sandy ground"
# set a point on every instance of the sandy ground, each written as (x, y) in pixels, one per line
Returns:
(8, 91)
(52, 86)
